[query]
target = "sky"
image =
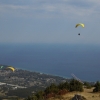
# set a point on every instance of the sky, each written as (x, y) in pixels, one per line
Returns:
(49, 21)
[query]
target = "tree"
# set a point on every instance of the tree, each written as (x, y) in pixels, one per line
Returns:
(33, 97)
(76, 85)
(39, 95)
(97, 87)
(87, 85)
(52, 89)
(64, 86)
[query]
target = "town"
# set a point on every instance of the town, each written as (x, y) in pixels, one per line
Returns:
(22, 79)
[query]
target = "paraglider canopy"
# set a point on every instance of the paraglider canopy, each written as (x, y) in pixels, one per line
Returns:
(79, 24)
(1, 67)
(11, 68)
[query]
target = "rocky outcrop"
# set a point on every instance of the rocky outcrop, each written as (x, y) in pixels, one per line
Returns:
(78, 97)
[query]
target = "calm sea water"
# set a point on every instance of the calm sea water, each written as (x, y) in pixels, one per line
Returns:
(55, 59)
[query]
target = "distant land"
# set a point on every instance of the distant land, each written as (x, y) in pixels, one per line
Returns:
(25, 82)
(24, 79)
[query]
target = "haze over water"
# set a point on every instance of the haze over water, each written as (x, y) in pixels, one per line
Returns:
(55, 59)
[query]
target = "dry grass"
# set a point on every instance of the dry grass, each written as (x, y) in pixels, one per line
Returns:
(2, 94)
(88, 94)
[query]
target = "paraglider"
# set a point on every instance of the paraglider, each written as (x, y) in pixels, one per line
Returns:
(79, 24)
(6, 67)
(11, 68)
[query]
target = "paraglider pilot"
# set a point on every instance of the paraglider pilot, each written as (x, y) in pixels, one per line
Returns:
(78, 33)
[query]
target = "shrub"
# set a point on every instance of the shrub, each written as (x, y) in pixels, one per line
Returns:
(65, 85)
(87, 85)
(97, 87)
(76, 85)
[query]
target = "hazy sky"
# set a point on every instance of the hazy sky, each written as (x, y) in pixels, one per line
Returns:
(49, 21)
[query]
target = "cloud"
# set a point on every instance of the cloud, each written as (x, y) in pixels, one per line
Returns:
(13, 7)
(41, 18)
(52, 8)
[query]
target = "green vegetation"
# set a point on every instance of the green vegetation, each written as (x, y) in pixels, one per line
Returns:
(97, 87)
(50, 86)
(76, 86)
(54, 90)
(65, 85)
(23, 92)
(87, 85)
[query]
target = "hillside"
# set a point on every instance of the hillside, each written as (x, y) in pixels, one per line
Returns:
(23, 83)
(87, 93)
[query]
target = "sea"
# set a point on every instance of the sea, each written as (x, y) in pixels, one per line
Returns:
(63, 60)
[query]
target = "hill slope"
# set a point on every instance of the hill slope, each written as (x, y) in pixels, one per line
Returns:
(88, 94)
